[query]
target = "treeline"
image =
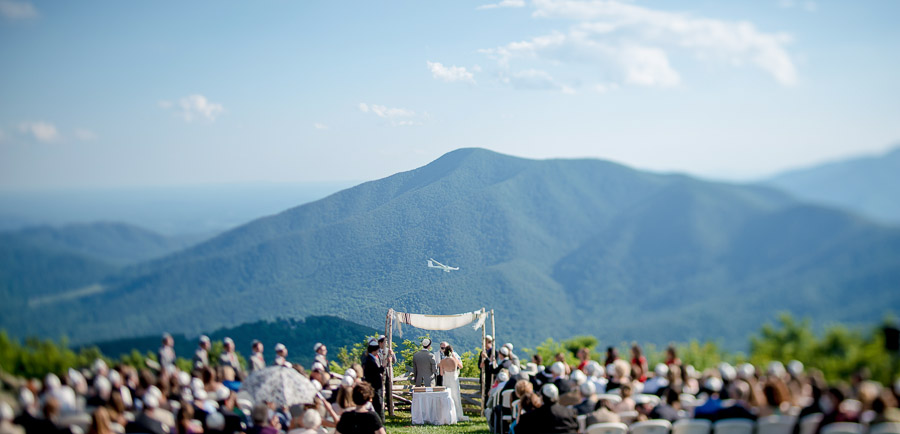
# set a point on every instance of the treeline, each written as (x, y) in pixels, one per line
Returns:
(839, 351)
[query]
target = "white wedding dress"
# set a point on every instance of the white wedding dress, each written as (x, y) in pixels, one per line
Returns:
(451, 382)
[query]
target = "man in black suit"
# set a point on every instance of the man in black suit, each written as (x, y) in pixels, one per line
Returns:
(550, 418)
(586, 391)
(558, 371)
(372, 373)
(145, 422)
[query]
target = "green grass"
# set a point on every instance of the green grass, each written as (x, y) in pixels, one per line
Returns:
(401, 423)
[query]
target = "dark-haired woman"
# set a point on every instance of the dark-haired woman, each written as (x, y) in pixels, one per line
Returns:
(360, 420)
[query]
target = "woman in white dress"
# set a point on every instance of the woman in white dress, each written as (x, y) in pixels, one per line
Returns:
(449, 368)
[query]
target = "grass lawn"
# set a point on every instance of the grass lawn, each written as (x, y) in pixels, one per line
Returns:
(400, 423)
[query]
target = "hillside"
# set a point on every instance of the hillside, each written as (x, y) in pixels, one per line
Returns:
(556, 247)
(869, 186)
(298, 336)
(116, 243)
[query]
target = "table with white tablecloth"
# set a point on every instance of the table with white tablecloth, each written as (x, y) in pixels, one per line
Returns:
(434, 408)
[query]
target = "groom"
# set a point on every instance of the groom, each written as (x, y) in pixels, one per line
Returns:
(424, 366)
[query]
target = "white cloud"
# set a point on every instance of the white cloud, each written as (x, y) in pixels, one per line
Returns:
(450, 73)
(17, 10)
(536, 79)
(808, 5)
(626, 43)
(85, 135)
(42, 131)
(503, 4)
(320, 126)
(396, 116)
(194, 106)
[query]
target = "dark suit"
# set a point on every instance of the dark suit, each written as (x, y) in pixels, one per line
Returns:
(145, 424)
(552, 418)
(586, 406)
(664, 411)
(372, 373)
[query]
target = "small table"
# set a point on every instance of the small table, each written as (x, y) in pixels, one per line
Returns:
(434, 408)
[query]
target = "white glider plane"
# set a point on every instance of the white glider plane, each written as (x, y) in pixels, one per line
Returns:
(435, 264)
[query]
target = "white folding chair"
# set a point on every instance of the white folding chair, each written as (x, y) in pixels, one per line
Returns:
(776, 425)
(644, 398)
(810, 423)
(691, 426)
(842, 428)
(885, 428)
(733, 426)
(627, 417)
(506, 402)
(654, 426)
(582, 422)
(607, 428)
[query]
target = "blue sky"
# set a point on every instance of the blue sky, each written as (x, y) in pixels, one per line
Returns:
(115, 93)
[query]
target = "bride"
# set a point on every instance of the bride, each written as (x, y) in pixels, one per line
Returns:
(449, 368)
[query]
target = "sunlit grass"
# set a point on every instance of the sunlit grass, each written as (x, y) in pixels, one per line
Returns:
(401, 423)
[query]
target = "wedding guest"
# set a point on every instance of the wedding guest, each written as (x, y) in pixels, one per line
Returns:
(166, 353)
(321, 351)
(201, 354)
(229, 357)
(668, 407)
(383, 352)
(257, 361)
(372, 373)
(601, 414)
(638, 364)
(584, 357)
(627, 403)
(672, 357)
(6, 420)
(265, 421)
(658, 381)
(360, 420)
(184, 422)
(586, 392)
(612, 354)
(281, 353)
(485, 362)
(145, 421)
(550, 417)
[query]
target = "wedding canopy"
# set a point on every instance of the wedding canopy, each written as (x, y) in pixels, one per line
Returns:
(431, 322)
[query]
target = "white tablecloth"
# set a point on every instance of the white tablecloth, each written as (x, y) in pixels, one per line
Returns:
(435, 408)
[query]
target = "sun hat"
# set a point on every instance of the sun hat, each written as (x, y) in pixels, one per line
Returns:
(550, 391)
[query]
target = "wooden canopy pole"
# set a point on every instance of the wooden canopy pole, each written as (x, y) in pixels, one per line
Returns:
(388, 372)
(486, 364)
(494, 334)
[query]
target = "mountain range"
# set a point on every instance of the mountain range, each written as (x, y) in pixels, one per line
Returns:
(555, 247)
(868, 185)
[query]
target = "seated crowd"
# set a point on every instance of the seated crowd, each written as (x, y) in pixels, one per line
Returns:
(165, 399)
(552, 399)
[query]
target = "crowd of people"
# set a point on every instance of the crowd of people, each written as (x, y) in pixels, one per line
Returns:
(549, 399)
(161, 398)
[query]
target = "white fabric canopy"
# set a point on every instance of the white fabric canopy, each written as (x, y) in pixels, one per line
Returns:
(439, 322)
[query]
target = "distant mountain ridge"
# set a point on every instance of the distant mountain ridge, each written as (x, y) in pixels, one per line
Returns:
(867, 185)
(555, 247)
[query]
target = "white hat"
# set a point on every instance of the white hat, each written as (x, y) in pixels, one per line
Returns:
(199, 395)
(348, 380)
(215, 421)
(489, 338)
(795, 367)
(714, 384)
(775, 368)
(184, 379)
(222, 393)
(503, 376)
(150, 401)
(373, 342)
(504, 351)
(508, 345)
(26, 397)
(153, 390)
(727, 371)
(103, 386)
(311, 419)
(99, 365)
(317, 346)
(514, 370)
(550, 392)
(227, 341)
(746, 370)
(382, 337)
(426, 343)
(204, 339)
(594, 369)
(531, 368)
(52, 381)
(578, 377)
(557, 368)
(352, 373)
(661, 370)
(279, 347)
(587, 388)
(196, 383)
(6, 412)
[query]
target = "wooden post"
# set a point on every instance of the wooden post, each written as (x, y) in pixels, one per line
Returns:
(388, 372)
(486, 365)
(494, 334)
